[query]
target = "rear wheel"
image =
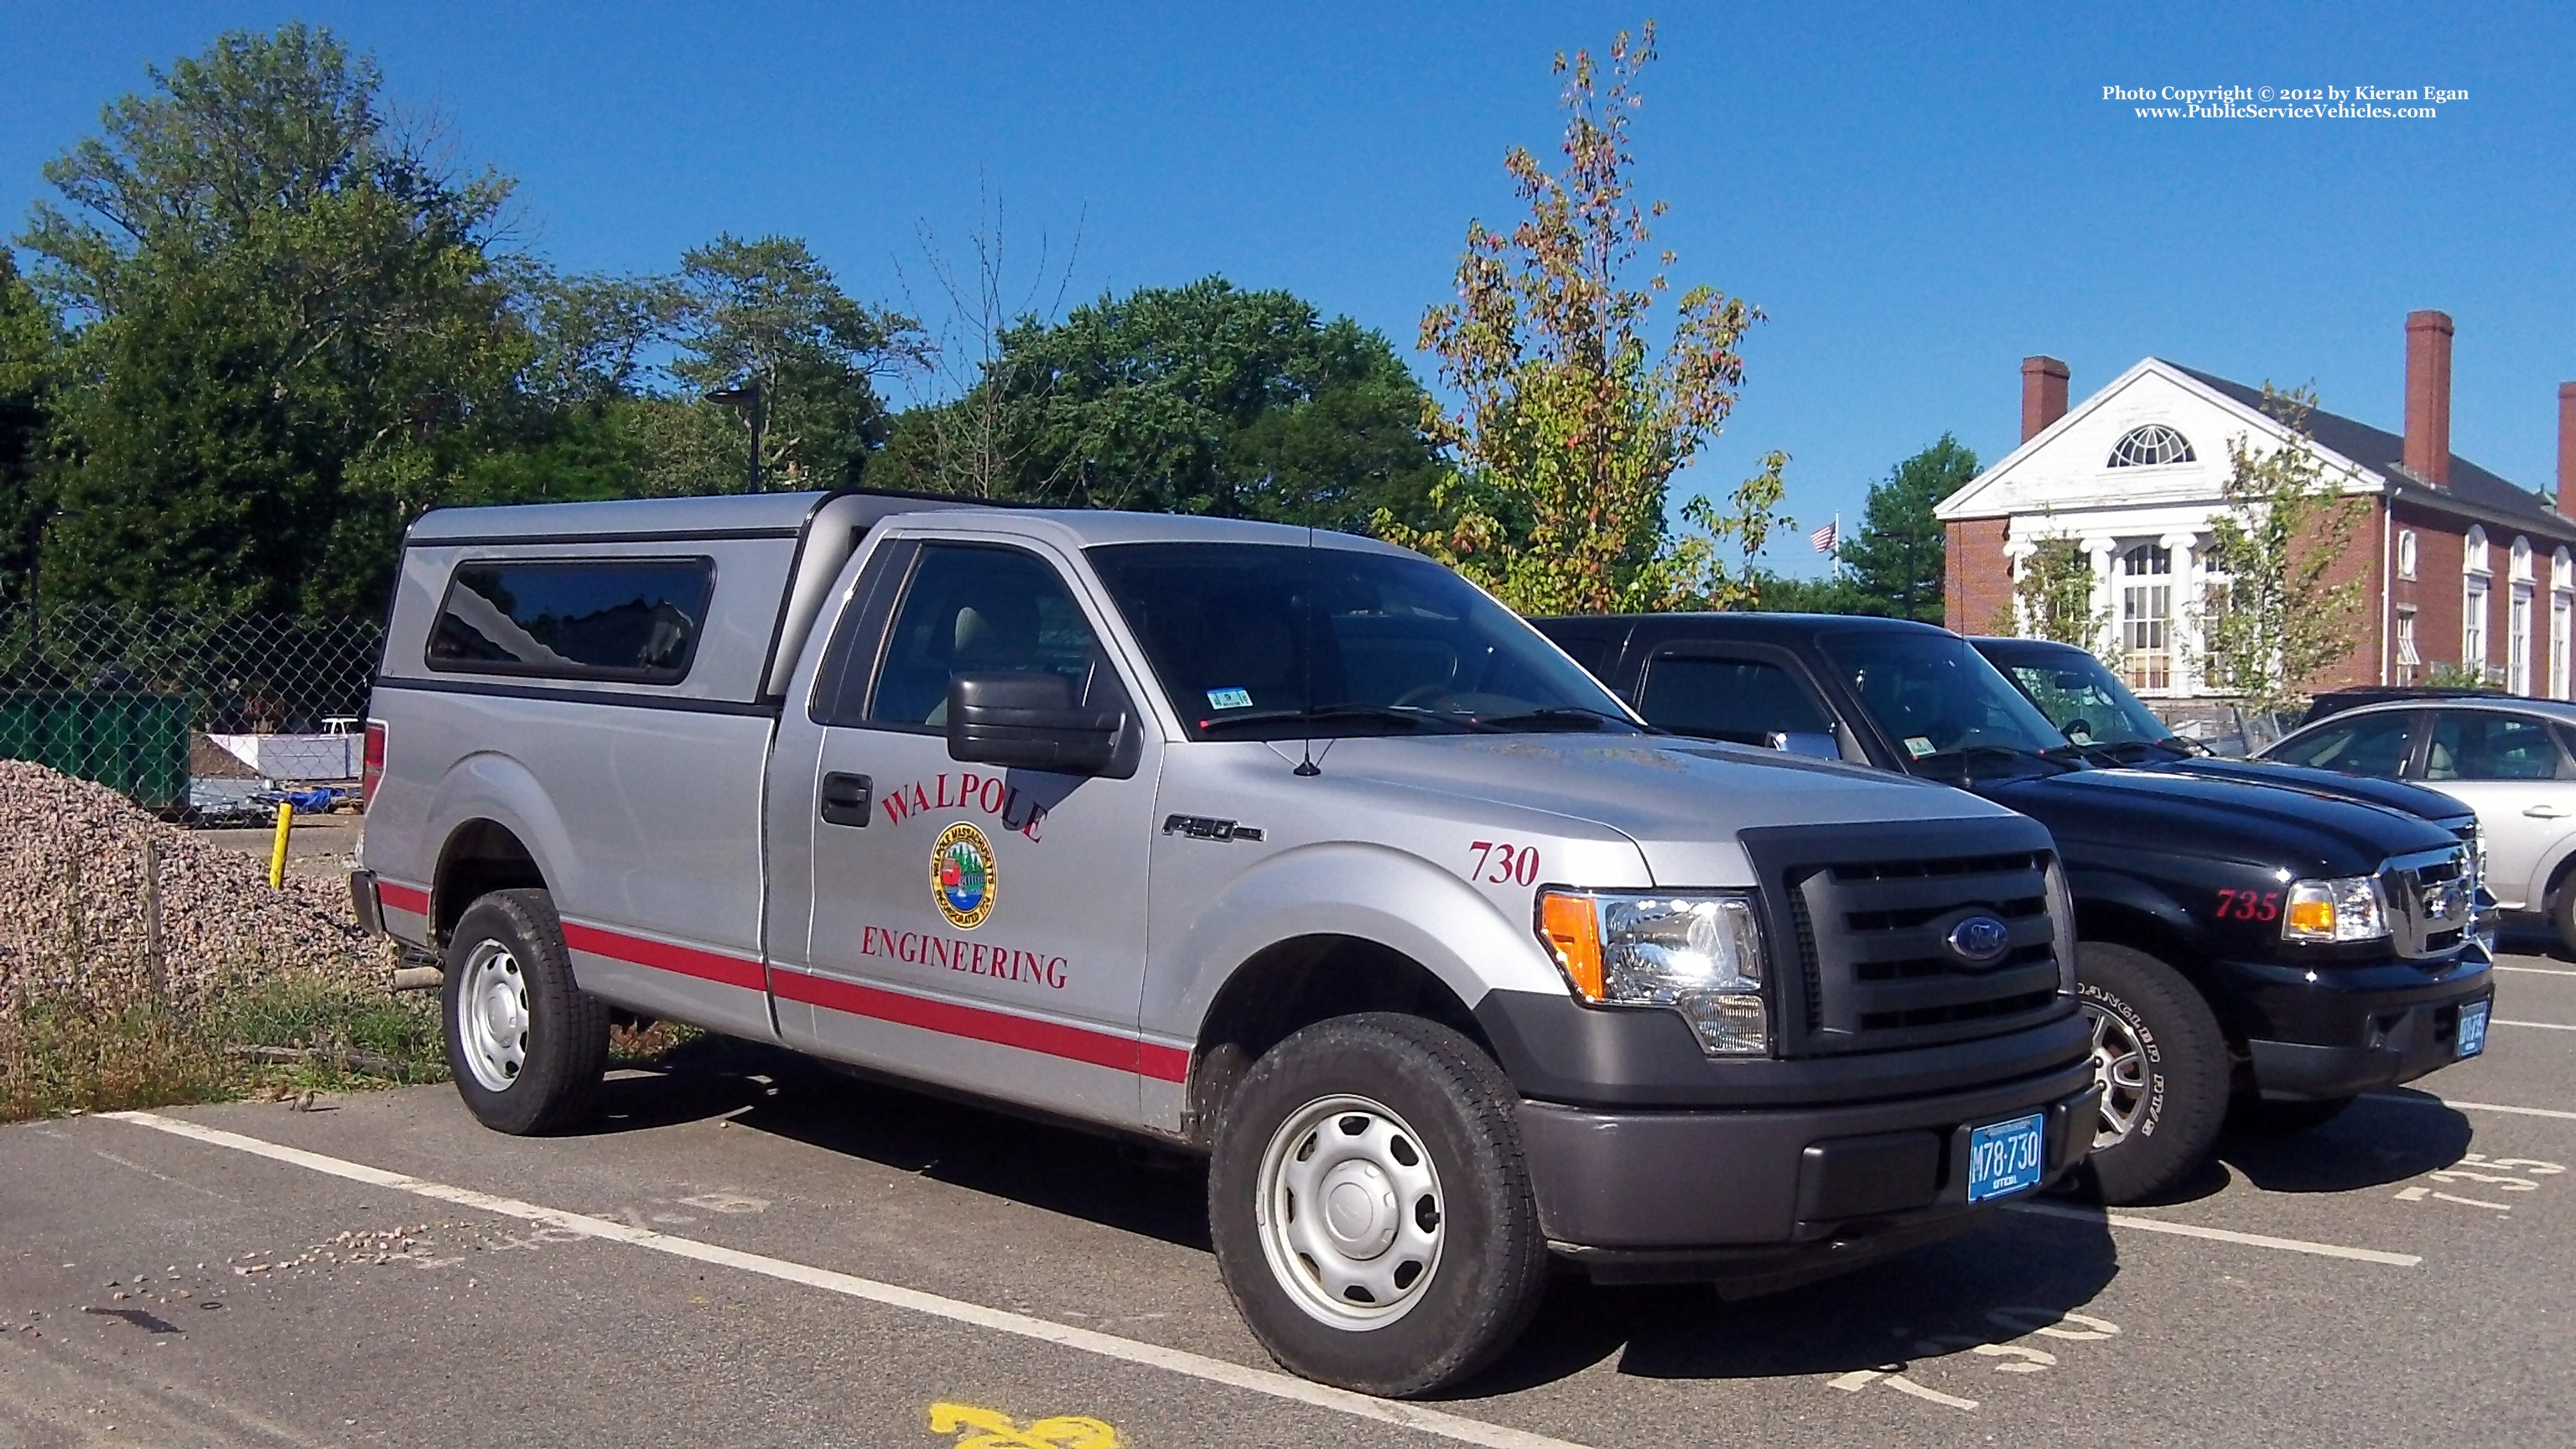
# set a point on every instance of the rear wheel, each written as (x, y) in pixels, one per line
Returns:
(2562, 914)
(2162, 1065)
(1371, 1212)
(526, 1045)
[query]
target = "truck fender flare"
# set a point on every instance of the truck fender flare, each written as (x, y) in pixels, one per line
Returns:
(1393, 898)
(491, 786)
(2097, 891)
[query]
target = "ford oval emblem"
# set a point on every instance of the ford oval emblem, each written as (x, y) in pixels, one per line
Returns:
(1980, 940)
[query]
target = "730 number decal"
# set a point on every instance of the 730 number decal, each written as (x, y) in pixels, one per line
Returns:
(2249, 905)
(1503, 863)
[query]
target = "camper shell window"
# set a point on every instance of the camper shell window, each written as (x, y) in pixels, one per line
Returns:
(630, 619)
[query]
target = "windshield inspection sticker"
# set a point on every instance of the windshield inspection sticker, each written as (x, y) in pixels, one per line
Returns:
(1229, 699)
(1918, 746)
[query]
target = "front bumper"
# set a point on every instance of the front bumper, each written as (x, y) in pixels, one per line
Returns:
(2339, 1031)
(1762, 1199)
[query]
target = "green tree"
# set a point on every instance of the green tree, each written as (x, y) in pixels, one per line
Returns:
(2053, 597)
(1571, 425)
(289, 319)
(2272, 621)
(1784, 594)
(1204, 398)
(1898, 557)
(768, 313)
(30, 356)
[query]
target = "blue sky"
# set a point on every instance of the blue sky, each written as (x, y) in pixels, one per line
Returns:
(1918, 196)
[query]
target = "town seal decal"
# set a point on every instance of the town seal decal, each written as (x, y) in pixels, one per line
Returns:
(962, 877)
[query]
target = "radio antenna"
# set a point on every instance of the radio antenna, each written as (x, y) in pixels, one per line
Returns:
(1307, 769)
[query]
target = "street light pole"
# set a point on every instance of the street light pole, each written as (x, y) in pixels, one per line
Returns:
(753, 400)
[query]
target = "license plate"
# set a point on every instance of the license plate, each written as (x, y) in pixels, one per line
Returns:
(2006, 1157)
(2473, 1030)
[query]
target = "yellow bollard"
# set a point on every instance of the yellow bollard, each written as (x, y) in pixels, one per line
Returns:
(277, 853)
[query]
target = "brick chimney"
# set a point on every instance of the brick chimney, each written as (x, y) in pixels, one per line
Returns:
(2043, 394)
(2428, 397)
(2567, 448)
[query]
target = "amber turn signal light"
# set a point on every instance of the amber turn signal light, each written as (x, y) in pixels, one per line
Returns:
(1572, 926)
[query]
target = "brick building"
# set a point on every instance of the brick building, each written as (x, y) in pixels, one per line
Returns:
(2456, 564)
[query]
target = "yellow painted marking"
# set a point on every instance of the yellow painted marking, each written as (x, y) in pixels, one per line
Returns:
(989, 1429)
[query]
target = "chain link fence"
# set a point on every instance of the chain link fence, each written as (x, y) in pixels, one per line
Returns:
(136, 698)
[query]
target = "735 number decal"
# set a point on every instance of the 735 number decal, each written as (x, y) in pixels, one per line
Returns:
(1503, 863)
(2249, 905)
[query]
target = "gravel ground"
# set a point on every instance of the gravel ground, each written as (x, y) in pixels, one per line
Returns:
(72, 900)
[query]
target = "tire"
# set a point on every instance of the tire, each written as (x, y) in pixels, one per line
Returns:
(2162, 1064)
(2281, 1119)
(1444, 1263)
(2562, 915)
(507, 967)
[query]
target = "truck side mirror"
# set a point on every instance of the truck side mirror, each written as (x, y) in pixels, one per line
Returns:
(1028, 721)
(1815, 743)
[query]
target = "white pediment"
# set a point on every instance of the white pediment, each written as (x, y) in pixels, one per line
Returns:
(2068, 468)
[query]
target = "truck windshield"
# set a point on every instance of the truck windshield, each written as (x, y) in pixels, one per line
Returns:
(1938, 699)
(1275, 641)
(2084, 699)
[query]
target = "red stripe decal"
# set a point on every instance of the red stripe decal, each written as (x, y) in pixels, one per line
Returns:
(663, 956)
(402, 898)
(1100, 1049)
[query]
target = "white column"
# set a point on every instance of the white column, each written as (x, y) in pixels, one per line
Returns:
(2017, 554)
(2186, 610)
(2104, 553)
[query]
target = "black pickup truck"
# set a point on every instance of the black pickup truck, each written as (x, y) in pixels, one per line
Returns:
(2240, 939)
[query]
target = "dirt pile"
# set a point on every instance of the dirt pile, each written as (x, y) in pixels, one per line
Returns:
(73, 913)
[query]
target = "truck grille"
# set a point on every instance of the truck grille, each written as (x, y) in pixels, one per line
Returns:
(1871, 911)
(2431, 900)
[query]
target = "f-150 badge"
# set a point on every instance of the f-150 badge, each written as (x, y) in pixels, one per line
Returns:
(962, 878)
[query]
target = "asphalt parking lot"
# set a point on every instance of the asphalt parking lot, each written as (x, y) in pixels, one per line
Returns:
(752, 1251)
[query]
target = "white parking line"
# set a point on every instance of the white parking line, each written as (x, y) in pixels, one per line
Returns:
(2543, 1025)
(2222, 1235)
(2427, 1099)
(1198, 1366)
(2539, 970)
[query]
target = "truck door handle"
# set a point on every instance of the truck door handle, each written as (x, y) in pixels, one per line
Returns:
(2545, 812)
(845, 799)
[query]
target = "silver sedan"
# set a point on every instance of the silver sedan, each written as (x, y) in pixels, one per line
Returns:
(2513, 761)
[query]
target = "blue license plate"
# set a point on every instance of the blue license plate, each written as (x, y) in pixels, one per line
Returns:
(2006, 1157)
(2473, 1030)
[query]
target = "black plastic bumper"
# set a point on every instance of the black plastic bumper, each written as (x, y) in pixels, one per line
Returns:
(2343, 1030)
(1764, 1198)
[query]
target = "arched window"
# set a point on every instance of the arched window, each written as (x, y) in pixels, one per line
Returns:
(2522, 558)
(2406, 553)
(2473, 552)
(2151, 446)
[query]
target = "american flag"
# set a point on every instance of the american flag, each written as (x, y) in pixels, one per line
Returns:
(1826, 537)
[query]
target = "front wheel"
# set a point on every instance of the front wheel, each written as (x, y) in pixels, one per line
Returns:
(1370, 1208)
(526, 1045)
(2161, 1062)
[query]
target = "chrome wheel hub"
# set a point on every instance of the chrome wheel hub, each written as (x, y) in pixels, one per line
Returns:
(1350, 1212)
(2120, 1068)
(492, 1017)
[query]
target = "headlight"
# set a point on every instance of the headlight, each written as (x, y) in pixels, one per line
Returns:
(1698, 953)
(2350, 908)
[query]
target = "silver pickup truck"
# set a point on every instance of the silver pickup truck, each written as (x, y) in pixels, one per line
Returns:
(1288, 848)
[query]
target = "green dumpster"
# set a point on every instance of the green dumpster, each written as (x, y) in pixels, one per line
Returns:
(130, 741)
